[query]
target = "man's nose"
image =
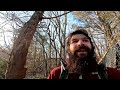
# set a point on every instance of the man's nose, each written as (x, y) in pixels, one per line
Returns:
(80, 42)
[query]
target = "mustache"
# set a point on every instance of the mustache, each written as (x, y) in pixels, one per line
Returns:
(83, 47)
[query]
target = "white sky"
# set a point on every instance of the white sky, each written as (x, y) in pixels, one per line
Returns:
(6, 28)
(5, 31)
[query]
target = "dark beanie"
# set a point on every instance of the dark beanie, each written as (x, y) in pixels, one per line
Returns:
(81, 31)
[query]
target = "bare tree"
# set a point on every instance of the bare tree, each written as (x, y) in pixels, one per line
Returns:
(16, 69)
(52, 50)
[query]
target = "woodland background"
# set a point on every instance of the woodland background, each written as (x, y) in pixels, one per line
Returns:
(33, 42)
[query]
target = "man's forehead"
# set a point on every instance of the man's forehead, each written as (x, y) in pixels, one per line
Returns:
(79, 36)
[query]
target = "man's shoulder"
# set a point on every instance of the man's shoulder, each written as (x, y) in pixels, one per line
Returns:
(58, 68)
(113, 69)
(54, 73)
(113, 73)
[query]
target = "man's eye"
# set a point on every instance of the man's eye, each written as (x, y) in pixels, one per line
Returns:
(85, 40)
(74, 41)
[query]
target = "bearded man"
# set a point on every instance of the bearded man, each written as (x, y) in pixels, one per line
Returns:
(82, 63)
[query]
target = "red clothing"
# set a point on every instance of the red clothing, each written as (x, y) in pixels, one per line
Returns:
(113, 73)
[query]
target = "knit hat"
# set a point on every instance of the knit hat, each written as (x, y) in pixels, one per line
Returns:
(79, 31)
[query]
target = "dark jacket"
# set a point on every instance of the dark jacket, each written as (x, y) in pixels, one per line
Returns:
(113, 73)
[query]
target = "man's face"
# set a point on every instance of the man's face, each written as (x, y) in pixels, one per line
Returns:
(80, 46)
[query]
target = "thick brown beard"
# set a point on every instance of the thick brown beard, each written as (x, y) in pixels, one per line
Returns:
(78, 64)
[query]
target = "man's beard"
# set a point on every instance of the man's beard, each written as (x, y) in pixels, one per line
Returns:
(80, 59)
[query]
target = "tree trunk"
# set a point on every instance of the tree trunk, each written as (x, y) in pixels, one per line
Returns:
(16, 69)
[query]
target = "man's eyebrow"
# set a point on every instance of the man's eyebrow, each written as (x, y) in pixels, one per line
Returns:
(74, 39)
(85, 38)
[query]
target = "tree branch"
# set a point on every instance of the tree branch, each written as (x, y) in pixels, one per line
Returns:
(56, 16)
